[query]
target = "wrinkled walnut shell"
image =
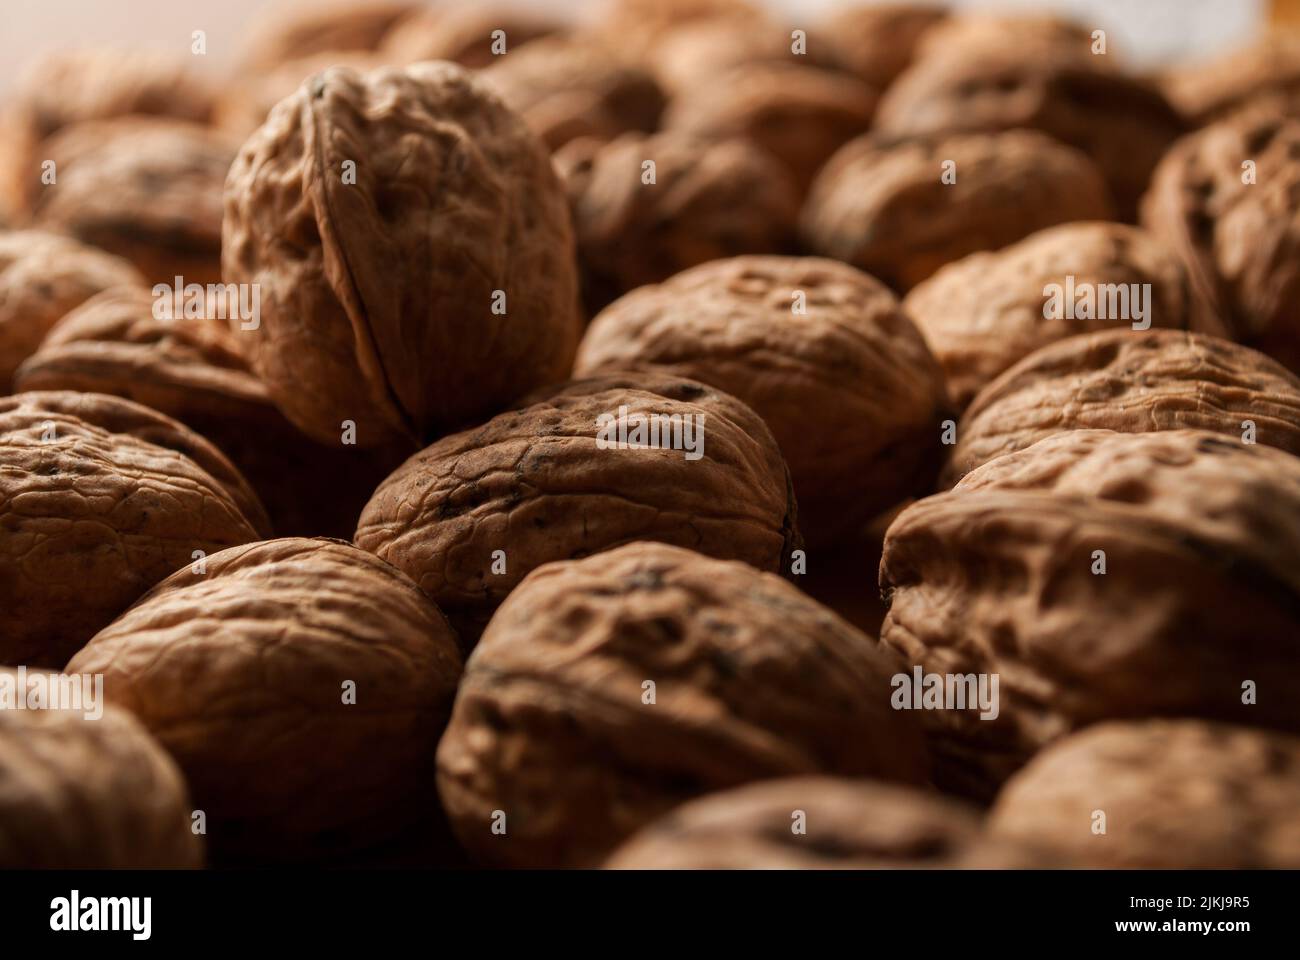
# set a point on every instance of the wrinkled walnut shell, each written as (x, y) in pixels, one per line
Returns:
(533, 486)
(846, 386)
(431, 292)
(886, 208)
(243, 672)
(751, 680)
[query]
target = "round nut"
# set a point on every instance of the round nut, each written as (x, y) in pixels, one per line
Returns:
(466, 34)
(1078, 570)
(368, 288)
(894, 210)
(708, 199)
(985, 312)
(1176, 795)
(100, 499)
(820, 823)
(42, 277)
(300, 684)
(1132, 382)
(608, 690)
(822, 352)
(471, 515)
(87, 792)
(313, 27)
(877, 41)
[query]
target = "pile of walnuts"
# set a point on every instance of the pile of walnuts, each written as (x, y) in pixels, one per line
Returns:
(681, 438)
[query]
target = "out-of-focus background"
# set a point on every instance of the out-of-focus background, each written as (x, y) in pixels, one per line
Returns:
(1150, 32)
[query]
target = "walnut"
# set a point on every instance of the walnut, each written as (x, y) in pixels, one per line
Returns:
(610, 689)
(370, 290)
(1132, 382)
(984, 312)
(877, 41)
(190, 368)
(146, 189)
(1021, 30)
(1240, 240)
(310, 27)
(1100, 575)
(301, 685)
(101, 498)
(800, 114)
(1176, 794)
(1122, 123)
(42, 277)
(841, 377)
(901, 211)
(471, 515)
(88, 792)
(819, 823)
(466, 34)
(1266, 69)
(708, 199)
(636, 28)
(568, 87)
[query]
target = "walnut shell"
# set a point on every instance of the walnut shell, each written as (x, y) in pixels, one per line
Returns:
(1267, 68)
(1177, 795)
(465, 34)
(709, 199)
(456, 223)
(1241, 241)
(243, 672)
(799, 114)
(847, 825)
(42, 277)
(1199, 540)
(1122, 123)
(984, 312)
(877, 41)
(847, 386)
(1132, 382)
(751, 680)
(101, 498)
(190, 368)
(311, 27)
(534, 486)
(886, 208)
(86, 792)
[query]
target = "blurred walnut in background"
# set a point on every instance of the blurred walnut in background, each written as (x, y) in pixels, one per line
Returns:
(466, 33)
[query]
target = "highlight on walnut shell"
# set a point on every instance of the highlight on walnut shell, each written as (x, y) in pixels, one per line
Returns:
(87, 789)
(822, 352)
(581, 468)
(1133, 382)
(100, 499)
(608, 690)
(823, 823)
(900, 211)
(1099, 575)
(301, 685)
(1161, 795)
(409, 283)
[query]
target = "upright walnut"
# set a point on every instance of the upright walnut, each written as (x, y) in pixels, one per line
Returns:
(901, 211)
(823, 354)
(578, 471)
(301, 685)
(413, 252)
(608, 690)
(1100, 575)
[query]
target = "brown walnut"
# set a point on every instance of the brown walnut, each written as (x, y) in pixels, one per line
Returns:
(313, 27)
(1265, 70)
(635, 29)
(1040, 33)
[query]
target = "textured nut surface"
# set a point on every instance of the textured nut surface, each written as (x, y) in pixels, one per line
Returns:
(877, 41)
(146, 189)
(709, 199)
(81, 792)
(984, 312)
(465, 34)
(752, 680)
(1133, 382)
(377, 297)
(100, 499)
(242, 673)
(313, 27)
(1200, 538)
(846, 386)
(799, 114)
(1179, 795)
(848, 825)
(190, 368)
(42, 277)
(884, 207)
(533, 483)
(1266, 68)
